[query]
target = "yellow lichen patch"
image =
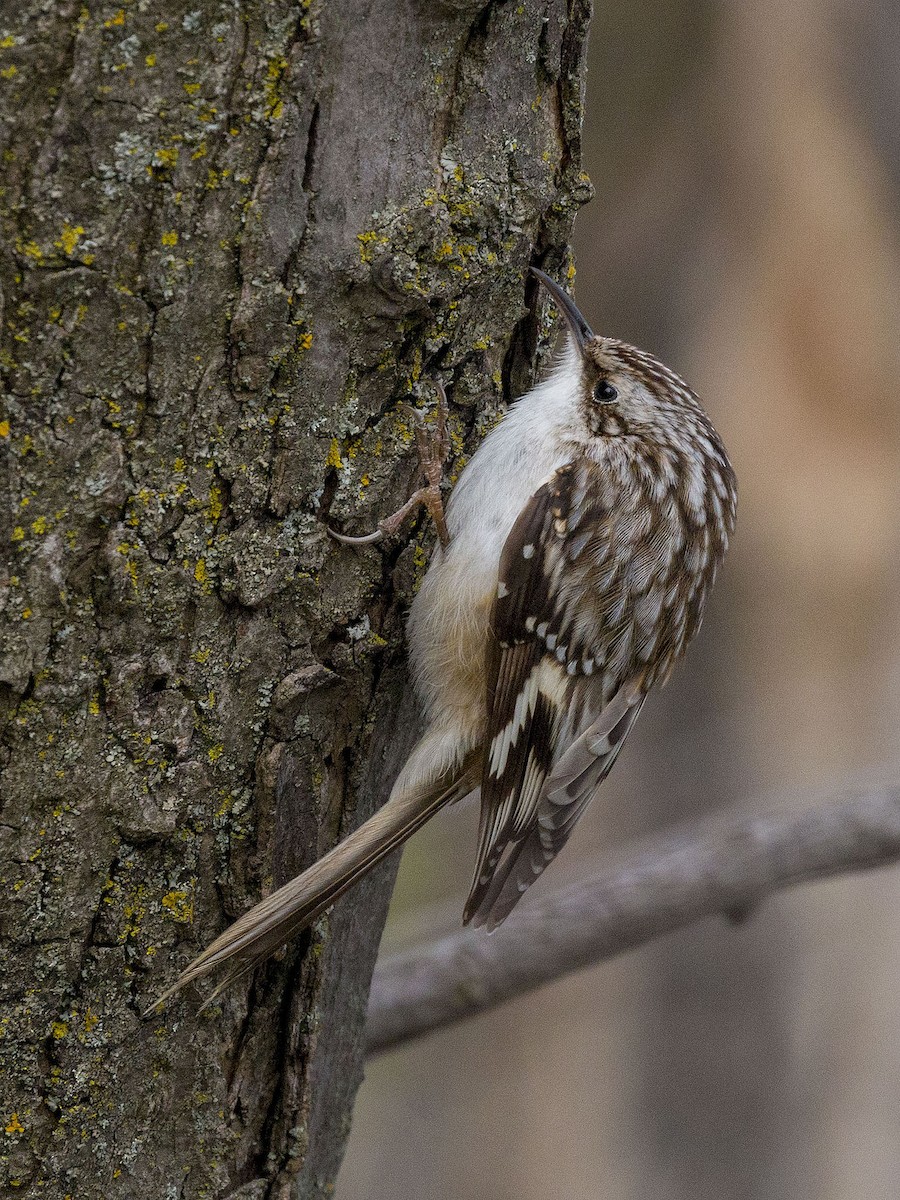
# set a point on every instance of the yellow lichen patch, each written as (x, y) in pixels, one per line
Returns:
(274, 72)
(69, 238)
(9, 72)
(7, 42)
(39, 525)
(170, 237)
(216, 752)
(18, 534)
(32, 250)
(167, 156)
(200, 572)
(132, 572)
(403, 431)
(179, 905)
(94, 705)
(200, 656)
(420, 563)
(90, 1019)
(14, 1125)
(134, 912)
(333, 458)
(215, 503)
(118, 19)
(59, 1029)
(4, 429)
(368, 241)
(150, 60)
(26, 614)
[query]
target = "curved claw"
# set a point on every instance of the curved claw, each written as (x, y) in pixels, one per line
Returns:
(365, 540)
(433, 446)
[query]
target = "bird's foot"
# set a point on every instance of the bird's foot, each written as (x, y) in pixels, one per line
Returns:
(433, 446)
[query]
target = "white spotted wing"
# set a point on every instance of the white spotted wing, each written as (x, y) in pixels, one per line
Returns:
(591, 609)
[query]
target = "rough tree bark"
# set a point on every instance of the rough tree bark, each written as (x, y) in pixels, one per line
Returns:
(236, 237)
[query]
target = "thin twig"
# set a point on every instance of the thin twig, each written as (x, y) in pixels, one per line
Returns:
(724, 866)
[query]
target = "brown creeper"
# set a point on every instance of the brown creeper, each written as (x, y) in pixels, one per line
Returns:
(584, 536)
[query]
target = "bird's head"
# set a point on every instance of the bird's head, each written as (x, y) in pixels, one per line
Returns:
(623, 390)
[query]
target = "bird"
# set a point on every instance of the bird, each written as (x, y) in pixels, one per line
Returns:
(581, 542)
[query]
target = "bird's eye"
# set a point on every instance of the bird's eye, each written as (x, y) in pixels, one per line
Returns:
(604, 392)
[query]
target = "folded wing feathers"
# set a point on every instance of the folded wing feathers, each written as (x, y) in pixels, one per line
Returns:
(541, 692)
(565, 795)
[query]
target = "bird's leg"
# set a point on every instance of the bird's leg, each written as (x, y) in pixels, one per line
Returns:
(433, 446)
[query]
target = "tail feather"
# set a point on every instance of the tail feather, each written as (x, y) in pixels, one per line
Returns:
(278, 918)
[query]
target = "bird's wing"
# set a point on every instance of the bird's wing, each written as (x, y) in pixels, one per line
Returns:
(564, 685)
(524, 697)
(566, 794)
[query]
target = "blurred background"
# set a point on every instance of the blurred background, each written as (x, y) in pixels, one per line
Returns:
(746, 157)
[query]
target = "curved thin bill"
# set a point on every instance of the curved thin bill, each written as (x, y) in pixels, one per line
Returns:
(581, 331)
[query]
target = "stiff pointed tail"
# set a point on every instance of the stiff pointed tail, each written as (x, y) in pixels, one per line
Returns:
(278, 918)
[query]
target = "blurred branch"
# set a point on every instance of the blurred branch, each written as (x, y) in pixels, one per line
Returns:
(726, 866)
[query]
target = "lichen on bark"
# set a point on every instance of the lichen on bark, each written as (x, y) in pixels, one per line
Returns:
(236, 239)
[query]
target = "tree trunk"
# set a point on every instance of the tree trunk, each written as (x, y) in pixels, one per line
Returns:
(236, 238)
